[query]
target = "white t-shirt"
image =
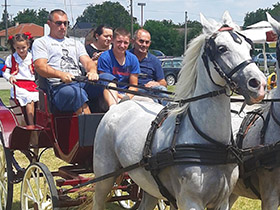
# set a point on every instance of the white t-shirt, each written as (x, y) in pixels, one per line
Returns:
(62, 54)
(24, 71)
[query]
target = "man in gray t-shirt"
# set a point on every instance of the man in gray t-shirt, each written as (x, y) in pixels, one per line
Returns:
(57, 58)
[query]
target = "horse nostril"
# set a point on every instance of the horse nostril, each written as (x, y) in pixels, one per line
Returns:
(254, 83)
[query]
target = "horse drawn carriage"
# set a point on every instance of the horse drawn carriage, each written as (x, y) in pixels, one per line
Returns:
(194, 160)
(71, 138)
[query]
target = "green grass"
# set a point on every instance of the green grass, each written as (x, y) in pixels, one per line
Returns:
(53, 163)
(5, 95)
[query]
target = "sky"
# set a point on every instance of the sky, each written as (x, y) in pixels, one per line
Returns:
(153, 10)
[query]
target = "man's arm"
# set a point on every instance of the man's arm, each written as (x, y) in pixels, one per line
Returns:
(45, 70)
(160, 80)
(90, 66)
(133, 80)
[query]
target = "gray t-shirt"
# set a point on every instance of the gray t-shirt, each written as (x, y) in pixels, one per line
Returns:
(62, 54)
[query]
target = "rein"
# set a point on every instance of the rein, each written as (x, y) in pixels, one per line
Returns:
(264, 100)
(181, 102)
(176, 154)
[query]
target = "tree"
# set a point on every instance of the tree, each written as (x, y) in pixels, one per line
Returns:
(39, 17)
(42, 17)
(26, 16)
(109, 13)
(259, 15)
(165, 37)
(194, 29)
(169, 37)
(254, 17)
(2, 23)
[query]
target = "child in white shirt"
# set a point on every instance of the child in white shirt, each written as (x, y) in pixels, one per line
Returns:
(20, 72)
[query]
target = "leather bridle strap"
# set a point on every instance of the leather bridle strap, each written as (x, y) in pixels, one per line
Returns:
(210, 52)
(199, 97)
(240, 66)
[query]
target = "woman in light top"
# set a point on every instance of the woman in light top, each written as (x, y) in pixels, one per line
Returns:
(102, 39)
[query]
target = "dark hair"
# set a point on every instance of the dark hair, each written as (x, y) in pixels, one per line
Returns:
(121, 32)
(19, 38)
(100, 29)
(59, 11)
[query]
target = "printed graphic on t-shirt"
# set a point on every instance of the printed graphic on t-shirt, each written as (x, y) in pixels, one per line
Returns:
(68, 64)
(123, 71)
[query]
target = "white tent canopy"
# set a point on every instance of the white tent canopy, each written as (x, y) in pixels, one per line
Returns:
(261, 33)
(258, 32)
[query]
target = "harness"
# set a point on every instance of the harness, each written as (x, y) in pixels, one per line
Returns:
(204, 154)
(265, 156)
(215, 153)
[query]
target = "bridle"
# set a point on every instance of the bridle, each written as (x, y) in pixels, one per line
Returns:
(211, 52)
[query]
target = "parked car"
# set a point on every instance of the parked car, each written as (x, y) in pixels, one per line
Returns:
(157, 53)
(2, 66)
(171, 68)
(271, 60)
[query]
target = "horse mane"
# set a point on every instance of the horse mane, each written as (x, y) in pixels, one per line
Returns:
(188, 75)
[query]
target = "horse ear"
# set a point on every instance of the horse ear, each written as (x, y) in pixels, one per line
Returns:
(274, 23)
(227, 20)
(208, 28)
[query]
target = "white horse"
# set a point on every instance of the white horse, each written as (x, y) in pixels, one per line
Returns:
(265, 182)
(122, 132)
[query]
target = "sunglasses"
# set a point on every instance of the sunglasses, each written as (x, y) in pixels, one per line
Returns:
(59, 23)
(143, 41)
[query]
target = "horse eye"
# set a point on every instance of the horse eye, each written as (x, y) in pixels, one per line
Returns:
(222, 49)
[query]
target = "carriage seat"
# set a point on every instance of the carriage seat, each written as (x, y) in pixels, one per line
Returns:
(73, 134)
(20, 111)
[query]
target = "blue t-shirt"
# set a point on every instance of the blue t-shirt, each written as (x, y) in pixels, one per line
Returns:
(150, 68)
(108, 63)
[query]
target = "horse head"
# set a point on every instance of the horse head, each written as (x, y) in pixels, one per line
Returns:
(228, 61)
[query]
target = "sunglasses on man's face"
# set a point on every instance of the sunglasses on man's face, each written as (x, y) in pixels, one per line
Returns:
(144, 41)
(59, 23)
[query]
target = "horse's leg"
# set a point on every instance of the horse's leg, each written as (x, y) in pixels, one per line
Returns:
(269, 190)
(102, 188)
(148, 202)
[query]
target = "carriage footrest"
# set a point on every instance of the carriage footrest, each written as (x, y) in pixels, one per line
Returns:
(32, 127)
(23, 137)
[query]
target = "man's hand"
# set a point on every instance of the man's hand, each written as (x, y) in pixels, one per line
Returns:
(66, 77)
(152, 84)
(92, 76)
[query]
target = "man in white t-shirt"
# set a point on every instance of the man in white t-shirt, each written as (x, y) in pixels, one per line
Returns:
(57, 58)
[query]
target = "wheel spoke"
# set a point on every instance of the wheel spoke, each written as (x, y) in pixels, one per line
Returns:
(3, 187)
(37, 181)
(33, 198)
